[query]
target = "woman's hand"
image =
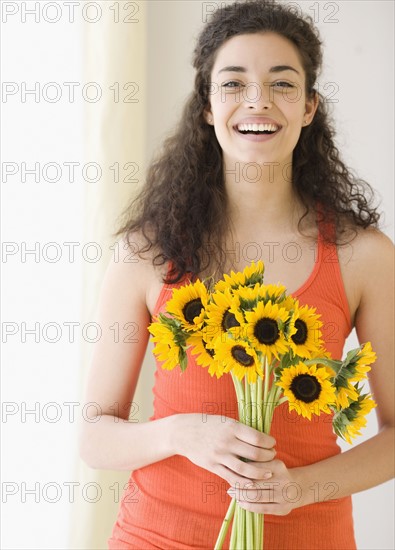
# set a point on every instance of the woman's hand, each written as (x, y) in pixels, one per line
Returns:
(278, 496)
(225, 446)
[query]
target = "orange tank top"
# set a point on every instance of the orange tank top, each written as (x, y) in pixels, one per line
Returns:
(181, 506)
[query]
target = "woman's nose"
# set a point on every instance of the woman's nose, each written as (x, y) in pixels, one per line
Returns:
(258, 96)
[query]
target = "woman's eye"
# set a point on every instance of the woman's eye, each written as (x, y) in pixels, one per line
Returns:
(231, 84)
(283, 84)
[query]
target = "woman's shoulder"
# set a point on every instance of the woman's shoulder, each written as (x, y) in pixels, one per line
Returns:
(366, 257)
(136, 265)
(367, 246)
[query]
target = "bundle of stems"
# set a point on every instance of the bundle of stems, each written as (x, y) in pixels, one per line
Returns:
(256, 403)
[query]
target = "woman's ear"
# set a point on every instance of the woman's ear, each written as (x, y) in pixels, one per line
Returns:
(311, 106)
(208, 117)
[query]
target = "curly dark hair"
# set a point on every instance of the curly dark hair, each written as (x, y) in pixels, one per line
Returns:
(180, 210)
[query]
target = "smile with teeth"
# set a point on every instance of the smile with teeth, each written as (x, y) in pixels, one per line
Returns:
(257, 128)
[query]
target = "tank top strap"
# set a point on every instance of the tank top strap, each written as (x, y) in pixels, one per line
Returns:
(329, 275)
(167, 290)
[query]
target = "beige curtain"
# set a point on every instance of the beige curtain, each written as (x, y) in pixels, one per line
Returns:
(115, 61)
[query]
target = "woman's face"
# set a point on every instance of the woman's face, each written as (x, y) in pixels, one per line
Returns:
(257, 77)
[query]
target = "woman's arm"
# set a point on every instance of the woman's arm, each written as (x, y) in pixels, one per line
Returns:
(370, 463)
(109, 440)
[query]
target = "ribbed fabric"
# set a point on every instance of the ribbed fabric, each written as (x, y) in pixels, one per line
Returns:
(175, 505)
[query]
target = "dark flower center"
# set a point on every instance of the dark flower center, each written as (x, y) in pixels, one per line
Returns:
(241, 356)
(229, 320)
(266, 331)
(209, 351)
(192, 309)
(300, 335)
(306, 388)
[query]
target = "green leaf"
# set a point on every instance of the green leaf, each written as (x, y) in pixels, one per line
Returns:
(183, 360)
(170, 322)
(332, 363)
(286, 361)
(351, 355)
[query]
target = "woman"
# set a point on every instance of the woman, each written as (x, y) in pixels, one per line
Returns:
(222, 189)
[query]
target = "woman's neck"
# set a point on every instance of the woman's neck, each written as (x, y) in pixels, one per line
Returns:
(265, 205)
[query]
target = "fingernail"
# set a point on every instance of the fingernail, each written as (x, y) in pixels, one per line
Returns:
(267, 475)
(231, 492)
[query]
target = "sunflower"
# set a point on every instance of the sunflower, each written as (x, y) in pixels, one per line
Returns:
(265, 329)
(274, 293)
(322, 352)
(188, 303)
(289, 303)
(223, 314)
(360, 365)
(347, 423)
(249, 276)
(308, 389)
(205, 355)
(353, 369)
(166, 347)
(248, 296)
(307, 339)
(240, 358)
(345, 395)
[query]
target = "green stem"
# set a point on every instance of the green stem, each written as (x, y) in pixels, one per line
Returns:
(240, 396)
(256, 527)
(254, 406)
(233, 536)
(266, 379)
(225, 525)
(335, 364)
(247, 390)
(243, 543)
(261, 531)
(233, 509)
(272, 401)
(250, 532)
(259, 402)
(266, 399)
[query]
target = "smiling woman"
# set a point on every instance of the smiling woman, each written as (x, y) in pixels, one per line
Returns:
(255, 104)
(239, 108)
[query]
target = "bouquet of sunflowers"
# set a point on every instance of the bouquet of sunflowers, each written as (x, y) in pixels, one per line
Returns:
(272, 346)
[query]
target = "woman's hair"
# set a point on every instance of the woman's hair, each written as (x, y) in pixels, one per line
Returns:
(182, 208)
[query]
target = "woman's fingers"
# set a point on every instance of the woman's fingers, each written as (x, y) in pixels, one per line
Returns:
(250, 453)
(274, 508)
(253, 436)
(277, 495)
(248, 470)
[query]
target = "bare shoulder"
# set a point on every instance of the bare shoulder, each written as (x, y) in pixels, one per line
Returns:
(372, 269)
(134, 271)
(367, 261)
(123, 314)
(369, 251)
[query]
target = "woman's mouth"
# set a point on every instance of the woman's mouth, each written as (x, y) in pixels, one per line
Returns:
(257, 132)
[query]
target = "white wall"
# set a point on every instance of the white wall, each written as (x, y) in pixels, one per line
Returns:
(359, 60)
(42, 369)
